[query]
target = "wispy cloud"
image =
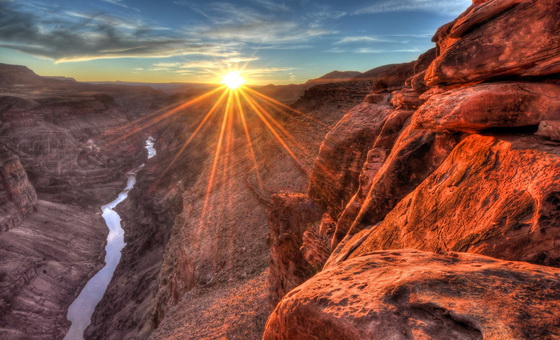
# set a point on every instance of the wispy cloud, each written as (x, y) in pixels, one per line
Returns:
(348, 40)
(78, 36)
(451, 7)
(120, 3)
(229, 22)
(366, 50)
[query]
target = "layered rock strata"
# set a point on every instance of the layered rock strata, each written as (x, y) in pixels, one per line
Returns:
(17, 195)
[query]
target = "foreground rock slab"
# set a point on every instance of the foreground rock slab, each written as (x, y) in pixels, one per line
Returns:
(405, 294)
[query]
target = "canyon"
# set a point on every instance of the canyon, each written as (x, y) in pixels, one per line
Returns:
(418, 200)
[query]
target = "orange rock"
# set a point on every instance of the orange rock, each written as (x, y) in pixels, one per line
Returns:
(497, 197)
(391, 173)
(291, 216)
(490, 105)
(408, 294)
(497, 38)
(342, 153)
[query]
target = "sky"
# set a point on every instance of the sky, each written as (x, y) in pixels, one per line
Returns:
(279, 42)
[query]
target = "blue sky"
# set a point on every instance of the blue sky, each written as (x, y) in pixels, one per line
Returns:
(280, 42)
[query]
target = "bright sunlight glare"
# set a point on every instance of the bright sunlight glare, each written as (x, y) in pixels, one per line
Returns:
(233, 80)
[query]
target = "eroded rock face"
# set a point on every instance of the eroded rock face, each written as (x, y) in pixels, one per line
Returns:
(343, 151)
(497, 197)
(390, 173)
(498, 38)
(291, 216)
(401, 294)
(17, 195)
(490, 105)
(60, 143)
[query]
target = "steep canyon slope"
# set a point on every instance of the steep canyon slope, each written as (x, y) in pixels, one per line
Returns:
(193, 251)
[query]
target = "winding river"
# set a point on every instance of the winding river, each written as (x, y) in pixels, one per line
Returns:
(81, 310)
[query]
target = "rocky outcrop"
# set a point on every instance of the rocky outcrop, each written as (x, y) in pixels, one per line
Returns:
(496, 39)
(466, 159)
(497, 197)
(17, 195)
(401, 294)
(290, 217)
(390, 174)
(337, 168)
(550, 129)
(490, 105)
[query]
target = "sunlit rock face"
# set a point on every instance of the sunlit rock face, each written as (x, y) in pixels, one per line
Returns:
(337, 168)
(497, 197)
(17, 195)
(402, 294)
(490, 105)
(496, 39)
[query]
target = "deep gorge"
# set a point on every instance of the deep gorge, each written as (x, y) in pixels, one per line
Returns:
(413, 201)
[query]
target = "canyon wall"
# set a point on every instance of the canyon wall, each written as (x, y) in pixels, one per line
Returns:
(60, 160)
(17, 195)
(463, 157)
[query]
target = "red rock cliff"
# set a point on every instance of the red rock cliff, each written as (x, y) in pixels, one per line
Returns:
(463, 158)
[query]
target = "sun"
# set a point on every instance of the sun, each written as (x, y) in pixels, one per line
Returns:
(233, 80)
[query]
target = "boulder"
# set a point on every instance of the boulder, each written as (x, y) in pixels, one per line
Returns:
(408, 294)
(490, 105)
(550, 129)
(496, 39)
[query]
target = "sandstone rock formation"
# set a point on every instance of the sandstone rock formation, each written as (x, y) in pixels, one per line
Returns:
(490, 105)
(336, 170)
(400, 294)
(496, 197)
(496, 39)
(465, 159)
